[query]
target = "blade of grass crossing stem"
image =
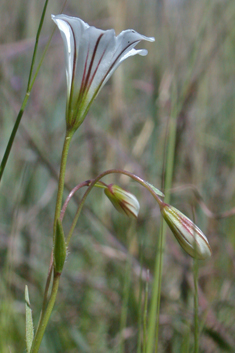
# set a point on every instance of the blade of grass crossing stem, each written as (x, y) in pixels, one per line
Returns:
(140, 297)
(36, 43)
(29, 321)
(126, 292)
(193, 53)
(29, 87)
(196, 324)
(43, 54)
(156, 290)
(145, 314)
(161, 250)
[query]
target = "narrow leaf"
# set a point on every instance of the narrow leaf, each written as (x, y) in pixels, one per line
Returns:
(29, 321)
(158, 192)
(59, 248)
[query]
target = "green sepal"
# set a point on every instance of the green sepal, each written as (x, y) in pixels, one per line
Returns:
(59, 247)
(29, 321)
(158, 192)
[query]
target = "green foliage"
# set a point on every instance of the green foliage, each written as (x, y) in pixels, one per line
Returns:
(59, 250)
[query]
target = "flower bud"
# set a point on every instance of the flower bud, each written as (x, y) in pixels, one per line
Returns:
(189, 236)
(124, 202)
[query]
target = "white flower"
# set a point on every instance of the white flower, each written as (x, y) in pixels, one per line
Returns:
(124, 202)
(91, 56)
(189, 236)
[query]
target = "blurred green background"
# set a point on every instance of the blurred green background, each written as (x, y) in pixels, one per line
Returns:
(190, 70)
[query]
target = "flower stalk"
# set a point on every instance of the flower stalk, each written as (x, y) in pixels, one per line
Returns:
(48, 307)
(45, 318)
(154, 191)
(63, 163)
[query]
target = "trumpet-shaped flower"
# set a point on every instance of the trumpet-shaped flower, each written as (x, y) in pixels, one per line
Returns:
(124, 202)
(189, 236)
(91, 57)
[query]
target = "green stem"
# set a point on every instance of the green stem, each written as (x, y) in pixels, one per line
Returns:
(124, 311)
(196, 324)
(46, 310)
(48, 281)
(145, 314)
(63, 163)
(26, 97)
(153, 327)
(36, 43)
(140, 296)
(159, 284)
(155, 302)
(45, 318)
(13, 133)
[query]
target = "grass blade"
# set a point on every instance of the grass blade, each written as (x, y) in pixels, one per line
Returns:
(29, 87)
(29, 321)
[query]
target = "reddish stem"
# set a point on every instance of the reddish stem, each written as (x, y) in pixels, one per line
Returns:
(72, 192)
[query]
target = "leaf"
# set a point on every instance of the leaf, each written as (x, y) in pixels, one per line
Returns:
(59, 247)
(29, 321)
(158, 192)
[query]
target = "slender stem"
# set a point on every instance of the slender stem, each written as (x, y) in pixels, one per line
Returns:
(45, 318)
(72, 192)
(36, 43)
(26, 97)
(13, 133)
(196, 325)
(92, 184)
(63, 162)
(124, 311)
(159, 282)
(46, 310)
(47, 284)
(145, 313)
(140, 296)
(155, 303)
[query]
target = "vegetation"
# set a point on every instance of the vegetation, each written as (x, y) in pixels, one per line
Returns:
(168, 118)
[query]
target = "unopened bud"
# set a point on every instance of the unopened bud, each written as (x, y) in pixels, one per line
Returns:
(189, 236)
(124, 202)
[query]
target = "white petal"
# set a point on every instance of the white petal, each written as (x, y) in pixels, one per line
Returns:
(125, 43)
(71, 29)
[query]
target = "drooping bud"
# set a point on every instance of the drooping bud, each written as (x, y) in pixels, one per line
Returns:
(189, 236)
(124, 202)
(59, 248)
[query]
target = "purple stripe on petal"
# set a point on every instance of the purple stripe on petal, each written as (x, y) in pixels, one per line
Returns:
(92, 59)
(74, 63)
